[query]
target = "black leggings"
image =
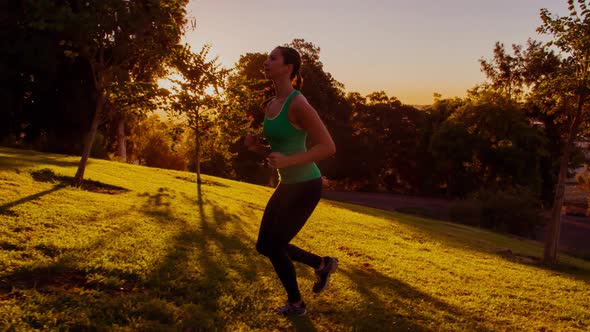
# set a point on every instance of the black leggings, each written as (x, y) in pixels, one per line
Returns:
(286, 212)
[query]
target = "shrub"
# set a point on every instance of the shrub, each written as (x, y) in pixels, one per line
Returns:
(466, 211)
(515, 210)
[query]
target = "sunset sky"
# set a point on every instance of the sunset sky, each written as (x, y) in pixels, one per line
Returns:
(409, 49)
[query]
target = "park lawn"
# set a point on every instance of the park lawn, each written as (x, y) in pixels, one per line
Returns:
(145, 253)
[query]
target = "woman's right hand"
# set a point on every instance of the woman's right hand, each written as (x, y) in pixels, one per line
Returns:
(251, 141)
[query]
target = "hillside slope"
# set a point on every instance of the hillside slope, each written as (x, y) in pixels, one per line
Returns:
(141, 249)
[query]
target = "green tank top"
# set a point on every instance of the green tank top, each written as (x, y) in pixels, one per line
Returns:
(283, 137)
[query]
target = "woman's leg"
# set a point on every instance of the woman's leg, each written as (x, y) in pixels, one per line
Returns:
(302, 256)
(285, 214)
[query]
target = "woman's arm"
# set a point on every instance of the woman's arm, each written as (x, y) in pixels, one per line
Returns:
(307, 119)
(251, 143)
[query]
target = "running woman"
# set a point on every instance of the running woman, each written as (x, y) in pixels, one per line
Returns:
(289, 120)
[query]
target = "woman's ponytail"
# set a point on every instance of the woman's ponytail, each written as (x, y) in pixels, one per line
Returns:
(298, 81)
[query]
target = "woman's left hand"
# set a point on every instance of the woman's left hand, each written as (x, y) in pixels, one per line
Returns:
(277, 160)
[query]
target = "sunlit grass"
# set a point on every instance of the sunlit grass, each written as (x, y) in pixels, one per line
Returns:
(153, 256)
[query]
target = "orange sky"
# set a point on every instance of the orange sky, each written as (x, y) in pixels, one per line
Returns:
(409, 49)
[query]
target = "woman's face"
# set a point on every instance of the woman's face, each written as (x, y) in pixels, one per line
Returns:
(274, 66)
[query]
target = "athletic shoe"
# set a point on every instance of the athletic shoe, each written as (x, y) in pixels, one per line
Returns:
(290, 309)
(323, 275)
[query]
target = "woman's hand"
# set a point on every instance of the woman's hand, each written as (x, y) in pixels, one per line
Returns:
(278, 160)
(250, 142)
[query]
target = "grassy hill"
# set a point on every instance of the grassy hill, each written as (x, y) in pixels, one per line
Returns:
(140, 249)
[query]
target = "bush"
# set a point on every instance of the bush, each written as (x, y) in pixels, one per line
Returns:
(515, 210)
(466, 211)
(151, 143)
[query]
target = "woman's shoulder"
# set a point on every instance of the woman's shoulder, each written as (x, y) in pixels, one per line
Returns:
(300, 107)
(299, 100)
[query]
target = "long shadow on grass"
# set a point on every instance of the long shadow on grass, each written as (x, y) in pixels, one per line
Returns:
(389, 304)
(457, 242)
(207, 269)
(5, 208)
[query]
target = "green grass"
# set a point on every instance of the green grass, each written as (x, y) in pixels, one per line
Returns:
(148, 255)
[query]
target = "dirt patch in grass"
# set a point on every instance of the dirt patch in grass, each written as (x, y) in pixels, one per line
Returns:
(102, 188)
(507, 253)
(204, 182)
(9, 246)
(39, 279)
(8, 213)
(47, 175)
(22, 229)
(52, 279)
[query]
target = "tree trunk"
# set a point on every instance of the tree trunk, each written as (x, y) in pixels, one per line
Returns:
(89, 141)
(554, 227)
(198, 146)
(121, 139)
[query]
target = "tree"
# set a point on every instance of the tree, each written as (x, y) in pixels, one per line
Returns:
(452, 148)
(487, 142)
(110, 36)
(571, 84)
(391, 135)
(505, 70)
(509, 146)
(245, 92)
(45, 95)
(519, 77)
(539, 64)
(14, 74)
(247, 87)
(191, 99)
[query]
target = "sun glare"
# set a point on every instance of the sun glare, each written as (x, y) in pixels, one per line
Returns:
(168, 84)
(210, 90)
